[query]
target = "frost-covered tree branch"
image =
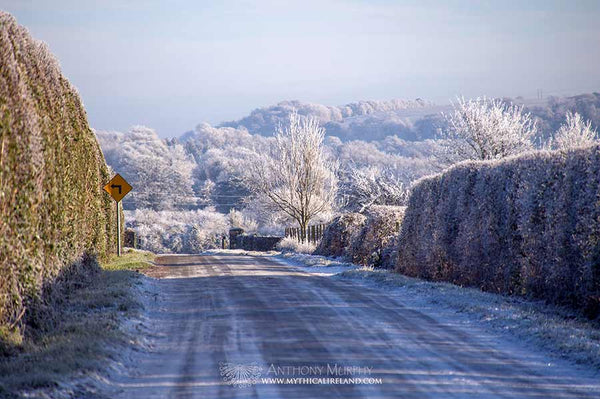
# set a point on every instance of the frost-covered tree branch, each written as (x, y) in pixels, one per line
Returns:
(296, 177)
(575, 132)
(372, 185)
(160, 172)
(484, 129)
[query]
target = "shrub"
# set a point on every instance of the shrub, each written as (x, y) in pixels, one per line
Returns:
(178, 231)
(527, 225)
(52, 207)
(574, 133)
(389, 253)
(338, 234)
(289, 244)
(381, 226)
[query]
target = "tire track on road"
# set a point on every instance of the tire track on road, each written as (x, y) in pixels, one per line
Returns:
(241, 309)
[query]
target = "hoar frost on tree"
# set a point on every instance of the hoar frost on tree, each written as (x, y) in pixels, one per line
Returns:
(179, 231)
(238, 219)
(270, 220)
(296, 178)
(575, 132)
(159, 171)
(485, 129)
(370, 186)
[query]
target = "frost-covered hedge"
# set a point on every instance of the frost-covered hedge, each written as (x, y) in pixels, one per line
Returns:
(178, 231)
(528, 225)
(337, 236)
(367, 239)
(380, 228)
(52, 208)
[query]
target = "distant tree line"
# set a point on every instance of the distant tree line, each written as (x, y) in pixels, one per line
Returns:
(211, 166)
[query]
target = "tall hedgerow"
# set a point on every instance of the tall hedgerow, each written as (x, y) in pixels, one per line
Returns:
(52, 209)
(528, 225)
(339, 235)
(381, 226)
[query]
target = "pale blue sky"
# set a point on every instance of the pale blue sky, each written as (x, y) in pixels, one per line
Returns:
(172, 64)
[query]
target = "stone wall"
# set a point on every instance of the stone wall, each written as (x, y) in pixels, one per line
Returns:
(239, 240)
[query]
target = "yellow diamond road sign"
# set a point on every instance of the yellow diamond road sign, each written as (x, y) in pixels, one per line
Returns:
(117, 187)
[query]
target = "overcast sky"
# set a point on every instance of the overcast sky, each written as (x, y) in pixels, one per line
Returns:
(172, 64)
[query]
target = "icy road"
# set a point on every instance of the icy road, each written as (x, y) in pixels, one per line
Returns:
(233, 326)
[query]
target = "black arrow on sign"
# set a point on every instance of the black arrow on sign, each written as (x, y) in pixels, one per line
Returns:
(116, 186)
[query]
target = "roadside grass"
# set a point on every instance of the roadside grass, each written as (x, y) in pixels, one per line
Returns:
(84, 334)
(135, 260)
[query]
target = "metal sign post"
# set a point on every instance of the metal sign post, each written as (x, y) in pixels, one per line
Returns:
(118, 229)
(118, 188)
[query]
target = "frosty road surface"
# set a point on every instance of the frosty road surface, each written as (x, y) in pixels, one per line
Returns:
(233, 326)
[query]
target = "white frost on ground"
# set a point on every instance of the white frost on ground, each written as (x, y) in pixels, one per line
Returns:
(556, 331)
(313, 264)
(138, 329)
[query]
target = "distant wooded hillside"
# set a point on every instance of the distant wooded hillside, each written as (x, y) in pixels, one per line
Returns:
(411, 120)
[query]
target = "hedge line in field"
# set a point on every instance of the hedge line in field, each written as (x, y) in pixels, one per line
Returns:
(528, 225)
(52, 209)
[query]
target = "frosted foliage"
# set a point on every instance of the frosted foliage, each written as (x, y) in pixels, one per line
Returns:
(528, 225)
(296, 177)
(486, 129)
(551, 115)
(575, 132)
(368, 245)
(160, 172)
(396, 158)
(213, 167)
(55, 219)
(243, 220)
(178, 231)
(289, 244)
(370, 186)
(269, 218)
(378, 118)
(339, 235)
(368, 239)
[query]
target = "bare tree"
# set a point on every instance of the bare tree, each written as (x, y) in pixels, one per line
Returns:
(296, 178)
(574, 133)
(486, 129)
